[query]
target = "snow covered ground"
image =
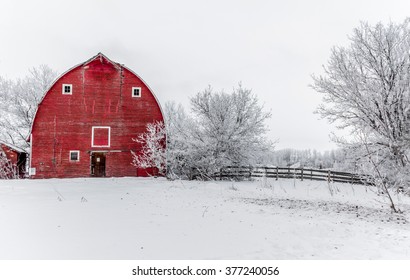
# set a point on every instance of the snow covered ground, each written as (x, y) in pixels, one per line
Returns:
(134, 218)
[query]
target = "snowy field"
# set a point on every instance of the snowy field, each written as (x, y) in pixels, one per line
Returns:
(134, 218)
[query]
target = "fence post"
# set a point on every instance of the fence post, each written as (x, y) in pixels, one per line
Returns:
(311, 174)
(302, 174)
(277, 173)
(328, 176)
(289, 172)
(220, 174)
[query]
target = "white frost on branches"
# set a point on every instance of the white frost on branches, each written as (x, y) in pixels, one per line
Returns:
(8, 170)
(18, 103)
(228, 129)
(223, 129)
(366, 88)
(152, 153)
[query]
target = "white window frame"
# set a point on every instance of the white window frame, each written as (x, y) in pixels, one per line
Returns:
(109, 137)
(71, 89)
(78, 156)
(132, 92)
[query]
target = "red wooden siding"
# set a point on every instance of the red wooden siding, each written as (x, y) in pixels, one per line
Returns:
(11, 154)
(101, 136)
(101, 105)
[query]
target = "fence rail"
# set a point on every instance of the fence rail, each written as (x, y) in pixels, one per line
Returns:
(243, 172)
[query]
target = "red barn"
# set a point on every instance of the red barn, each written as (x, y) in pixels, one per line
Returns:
(86, 121)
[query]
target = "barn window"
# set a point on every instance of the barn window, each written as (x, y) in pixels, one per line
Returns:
(101, 136)
(136, 92)
(67, 89)
(74, 155)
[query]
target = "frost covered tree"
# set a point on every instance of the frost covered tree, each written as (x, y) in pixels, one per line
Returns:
(180, 153)
(229, 129)
(152, 153)
(366, 88)
(223, 129)
(18, 103)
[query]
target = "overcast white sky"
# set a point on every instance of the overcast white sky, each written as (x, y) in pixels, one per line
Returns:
(180, 47)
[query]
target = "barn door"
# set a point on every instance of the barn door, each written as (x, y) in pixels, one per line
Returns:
(98, 164)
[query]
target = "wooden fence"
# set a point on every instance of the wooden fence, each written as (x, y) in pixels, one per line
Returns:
(243, 172)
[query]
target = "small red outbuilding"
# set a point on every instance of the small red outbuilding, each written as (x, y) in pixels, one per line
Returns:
(12, 161)
(85, 123)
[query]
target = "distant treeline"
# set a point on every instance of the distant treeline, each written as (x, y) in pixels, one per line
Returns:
(334, 159)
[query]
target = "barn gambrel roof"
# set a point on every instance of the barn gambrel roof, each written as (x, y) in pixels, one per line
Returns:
(101, 57)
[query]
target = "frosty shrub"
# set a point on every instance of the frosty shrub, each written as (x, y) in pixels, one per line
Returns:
(366, 88)
(152, 152)
(7, 169)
